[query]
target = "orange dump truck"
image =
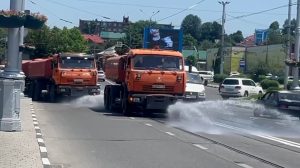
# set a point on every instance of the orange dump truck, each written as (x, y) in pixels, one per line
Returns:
(144, 79)
(61, 74)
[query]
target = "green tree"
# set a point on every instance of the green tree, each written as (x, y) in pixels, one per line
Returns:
(274, 25)
(191, 25)
(210, 31)
(48, 41)
(134, 33)
(275, 37)
(189, 41)
(236, 37)
(191, 60)
(206, 44)
(293, 27)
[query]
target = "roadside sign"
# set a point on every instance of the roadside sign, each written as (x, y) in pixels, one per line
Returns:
(242, 63)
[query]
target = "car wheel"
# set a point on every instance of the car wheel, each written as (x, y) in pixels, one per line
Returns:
(246, 94)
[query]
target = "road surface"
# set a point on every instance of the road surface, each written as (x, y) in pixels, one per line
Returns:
(214, 133)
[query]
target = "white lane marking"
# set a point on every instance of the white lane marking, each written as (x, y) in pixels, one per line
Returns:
(280, 123)
(110, 82)
(43, 149)
(279, 140)
(170, 133)
(200, 146)
(148, 124)
(38, 133)
(35, 123)
(33, 115)
(283, 141)
(132, 118)
(40, 140)
(36, 127)
(34, 119)
(244, 165)
(45, 161)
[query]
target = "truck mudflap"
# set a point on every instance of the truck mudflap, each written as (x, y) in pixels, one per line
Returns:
(77, 90)
(154, 101)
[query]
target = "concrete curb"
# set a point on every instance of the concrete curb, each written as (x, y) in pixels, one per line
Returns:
(40, 140)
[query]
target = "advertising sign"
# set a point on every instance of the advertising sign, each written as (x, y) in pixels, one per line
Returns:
(170, 39)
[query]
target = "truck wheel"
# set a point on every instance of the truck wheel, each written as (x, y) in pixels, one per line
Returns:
(30, 89)
(125, 105)
(52, 93)
(36, 91)
(106, 104)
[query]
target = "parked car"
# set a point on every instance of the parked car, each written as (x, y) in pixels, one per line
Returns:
(282, 101)
(239, 87)
(195, 90)
(232, 74)
(101, 76)
(208, 76)
(194, 69)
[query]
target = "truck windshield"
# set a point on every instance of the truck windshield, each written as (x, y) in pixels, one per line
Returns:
(77, 63)
(157, 62)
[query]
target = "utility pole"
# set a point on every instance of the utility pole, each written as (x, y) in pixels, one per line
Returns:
(295, 85)
(223, 35)
(288, 46)
(11, 81)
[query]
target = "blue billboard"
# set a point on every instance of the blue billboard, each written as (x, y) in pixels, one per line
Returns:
(261, 36)
(170, 39)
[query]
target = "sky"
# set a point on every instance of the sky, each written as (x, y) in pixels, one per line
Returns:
(207, 10)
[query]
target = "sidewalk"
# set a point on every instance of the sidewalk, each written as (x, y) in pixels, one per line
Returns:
(21, 149)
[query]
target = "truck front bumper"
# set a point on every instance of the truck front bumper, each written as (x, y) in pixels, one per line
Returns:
(74, 90)
(153, 101)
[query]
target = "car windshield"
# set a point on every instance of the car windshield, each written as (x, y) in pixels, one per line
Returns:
(157, 62)
(289, 96)
(194, 78)
(77, 63)
(231, 82)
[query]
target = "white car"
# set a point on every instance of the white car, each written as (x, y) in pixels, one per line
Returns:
(239, 87)
(208, 76)
(194, 69)
(195, 90)
(234, 73)
(101, 76)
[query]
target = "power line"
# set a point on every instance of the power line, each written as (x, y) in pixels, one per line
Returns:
(52, 13)
(78, 9)
(163, 7)
(263, 11)
(186, 9)
(247, 21)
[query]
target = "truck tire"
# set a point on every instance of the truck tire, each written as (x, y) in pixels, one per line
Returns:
(30, 89)
(126, 111)
(52, 93)
(36, 91)
(106, 102)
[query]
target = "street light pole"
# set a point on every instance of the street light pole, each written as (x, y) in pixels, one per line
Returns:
(295, 85)
(223, 35)
(11, 80)
(288, 46)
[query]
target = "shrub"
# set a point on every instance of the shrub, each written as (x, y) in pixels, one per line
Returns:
(258, 78)
(218, 78)
(267, 83)
(273, 89)
(281, 80)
